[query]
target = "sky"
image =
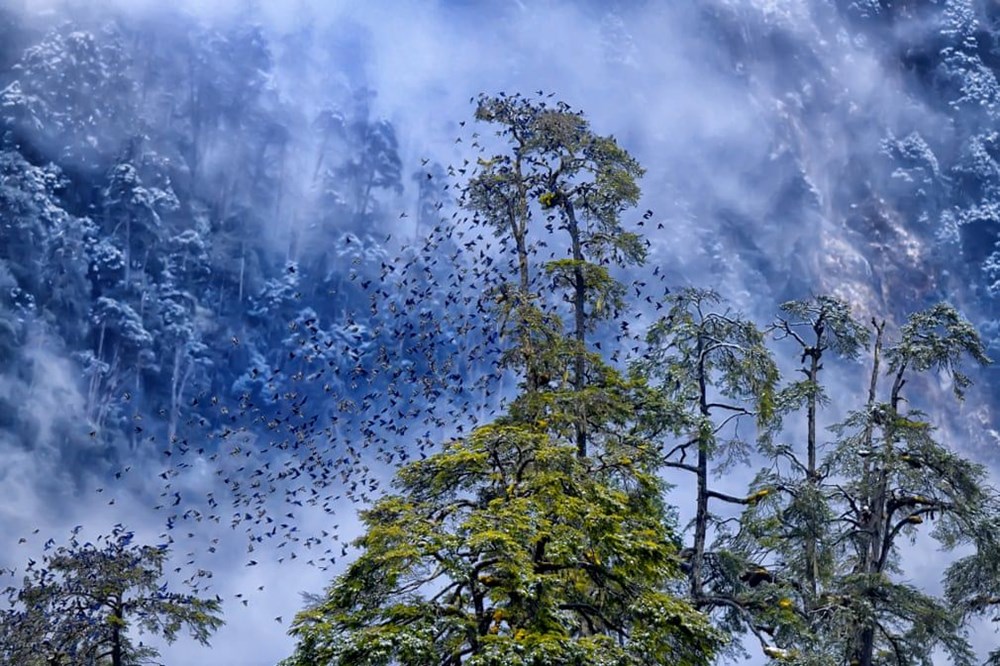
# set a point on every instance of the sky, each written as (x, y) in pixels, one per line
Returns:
(729, 116)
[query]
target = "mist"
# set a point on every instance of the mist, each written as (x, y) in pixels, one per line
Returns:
(792, 148)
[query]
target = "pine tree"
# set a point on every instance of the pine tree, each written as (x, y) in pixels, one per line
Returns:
(972, 584)
(785, 539)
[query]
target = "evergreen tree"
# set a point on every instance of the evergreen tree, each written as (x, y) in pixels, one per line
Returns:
(972, 584)
(581, 182)
(73, 97)
(819, 327)
(828, 537)
(897, 477)
(712, 370)
(78, 605)
(786, 534)
(508, 547)
(514, 545)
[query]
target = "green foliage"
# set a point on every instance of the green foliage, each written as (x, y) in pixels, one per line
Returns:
(817, 325)
(582, 182)
(938, 339)
(517, 545)
(694, 344)
(790, 530)
(544, 538)
(558, 161)
(830, 320)
(811, 567)
(81, 603)
(712, 370)
(605, 295)
(842, 521)
(506, 547)
(972, 583)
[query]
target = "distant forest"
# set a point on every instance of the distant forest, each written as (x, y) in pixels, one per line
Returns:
(204, 275)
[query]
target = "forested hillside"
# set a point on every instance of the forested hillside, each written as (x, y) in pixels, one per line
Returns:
(704, 278)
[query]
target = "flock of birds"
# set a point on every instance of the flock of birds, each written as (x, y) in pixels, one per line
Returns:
(418, 365)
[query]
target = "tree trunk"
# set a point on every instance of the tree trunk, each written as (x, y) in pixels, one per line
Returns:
(175, 397)
(519, 231)
(196, 122)
(701, 513)
(128, 249)
(366, 196)
(95, 379)
(873, 496)
(579, 325)
(117, 658)
(319, 158)
(812, 559)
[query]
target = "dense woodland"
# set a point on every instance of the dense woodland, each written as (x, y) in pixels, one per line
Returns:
(242, 283)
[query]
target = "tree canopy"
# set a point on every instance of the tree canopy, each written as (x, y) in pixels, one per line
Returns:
(546, 535)
(517, 545)
(85, 602)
